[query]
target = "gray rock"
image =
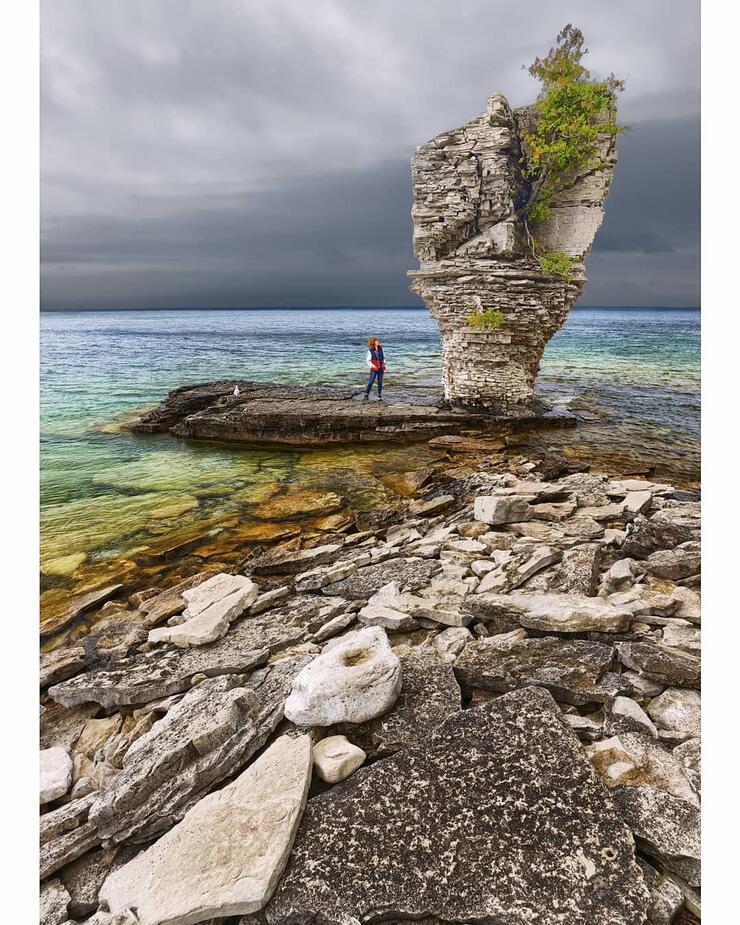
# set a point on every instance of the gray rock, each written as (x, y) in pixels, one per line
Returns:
(638, 502)
(688, 754)
(450, 642)
(207, 737)
(678, 711)
(625, 715)
(488, 821)
(141, 678)
(410, 574)
(61, 664)
(226, 856)
(65, 834)
(429, 695)
(686, 638)
(55, 773)
(559, 613)
(517, 569)
(387, 617)
(673, 564)
(324, 575)
(84, 877)
(291, 561)
(356, 679)
(576, 573)
(666, 898)
(661, 664)
(655, 797)
(215, 589)
(570, 669)
(53, 903)
(645, 536)
(496, 510)
(587, 728)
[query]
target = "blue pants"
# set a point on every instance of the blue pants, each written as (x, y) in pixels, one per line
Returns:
(375, 374)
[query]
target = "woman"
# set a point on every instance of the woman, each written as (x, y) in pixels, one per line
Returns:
(376, 364)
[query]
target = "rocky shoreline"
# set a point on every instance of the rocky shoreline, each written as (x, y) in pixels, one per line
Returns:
(268, 414)
(478, 704)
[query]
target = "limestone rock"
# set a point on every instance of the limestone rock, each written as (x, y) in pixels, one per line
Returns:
(625, 715)
(559, 613)
(335, 758)
(678, 711)
(212, 590)
(570, 669)
(655, 798)
(648, 535)
(291, 561)
(208, 736)
(661, 664)
(356, 679)
(577, 572)
(674, 563)
(65, 834)
(387, 617)
(666, 897)
(209, 616)
(55, 769)
(84, 877)
(495, 510)
(57, 622)
(488, 820)
(429, 695)
(226, 856)
(688, 754)
(450, 642)
(61, 664)
(410, 574)
(53, 903)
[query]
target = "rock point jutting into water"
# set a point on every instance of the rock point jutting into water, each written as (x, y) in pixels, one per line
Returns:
(470, 192)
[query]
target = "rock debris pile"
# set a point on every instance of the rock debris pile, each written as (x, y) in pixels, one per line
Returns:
(484, 707)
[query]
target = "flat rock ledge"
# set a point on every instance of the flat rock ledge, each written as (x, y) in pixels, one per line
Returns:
(268, 414)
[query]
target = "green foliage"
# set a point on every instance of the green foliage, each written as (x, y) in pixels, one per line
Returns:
(571, 113)
(491, 318)
(556, 263)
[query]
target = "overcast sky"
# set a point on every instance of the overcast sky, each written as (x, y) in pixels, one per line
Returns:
(209, 153)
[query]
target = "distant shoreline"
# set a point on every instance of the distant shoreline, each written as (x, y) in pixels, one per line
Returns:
(349, 308)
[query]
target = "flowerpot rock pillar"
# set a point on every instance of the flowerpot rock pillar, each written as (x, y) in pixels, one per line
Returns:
(471, 242)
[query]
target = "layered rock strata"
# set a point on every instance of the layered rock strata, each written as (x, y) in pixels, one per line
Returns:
(470, 192)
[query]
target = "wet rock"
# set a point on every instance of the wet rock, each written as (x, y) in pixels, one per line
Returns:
(55, 773)
(410, 574)
(559, 613)
(53, 903)
(65, 834)
(496, 510)
(570, 669)
(299, 505)
(429, 695)
(678, 711)
(440, 831)
(210, 735)
(57, 622)
(356, 679)
(335, 758)
(226, 856)
(670, 667)
(655, 798)
(625, 715)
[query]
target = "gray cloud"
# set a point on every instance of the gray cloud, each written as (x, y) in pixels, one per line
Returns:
(255, 152)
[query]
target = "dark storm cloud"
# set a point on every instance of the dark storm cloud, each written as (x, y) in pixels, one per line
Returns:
(256, 153)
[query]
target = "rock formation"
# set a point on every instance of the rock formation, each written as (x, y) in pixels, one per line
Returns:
(469, 236)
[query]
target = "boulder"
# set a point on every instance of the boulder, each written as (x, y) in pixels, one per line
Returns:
(84, 877)
(356, 679)
(226, 856)
(335, 758)
(207, 737)
(645, 536)
(655, 797)
(686, 638)
(429, 695)
(570, 669)
(661, 664)
(55, 773)
(678, 711)
(558, 613)
(496, 510)
(638, 502)
(488, 820)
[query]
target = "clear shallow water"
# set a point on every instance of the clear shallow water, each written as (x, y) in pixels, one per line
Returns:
(631, 376)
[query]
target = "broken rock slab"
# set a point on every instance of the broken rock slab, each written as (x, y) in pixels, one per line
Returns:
(212, 620)
(557, 613)
(55, 773)
(65, 834)
(335, 758)
(661, 664)
(496, 510)
(53, 903)
(226, 856)
(489, 820)
(204, 739)
(678, 711)
(410, 574)
(570, 669)
(355, 679)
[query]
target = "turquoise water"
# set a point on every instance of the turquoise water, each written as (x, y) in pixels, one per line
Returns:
(631, 376)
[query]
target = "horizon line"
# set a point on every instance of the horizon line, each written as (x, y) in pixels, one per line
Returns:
(350, 308)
